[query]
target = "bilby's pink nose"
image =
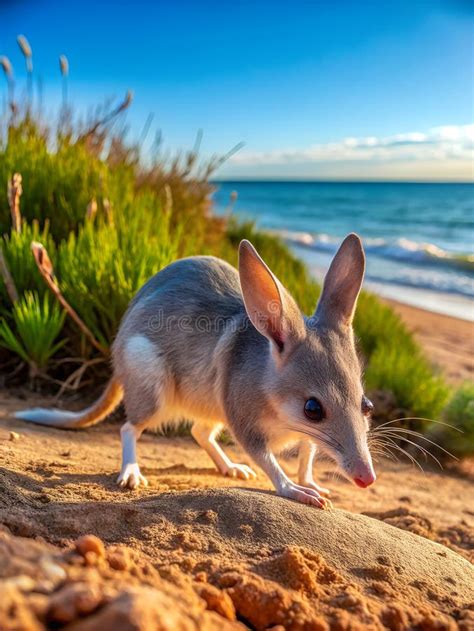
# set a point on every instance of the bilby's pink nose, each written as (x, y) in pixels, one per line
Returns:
(365, 478)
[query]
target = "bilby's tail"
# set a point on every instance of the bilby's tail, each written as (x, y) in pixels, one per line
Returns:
(74, 420)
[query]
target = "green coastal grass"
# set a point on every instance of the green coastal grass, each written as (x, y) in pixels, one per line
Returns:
(37, 325)
(101, 262)
(459, 414)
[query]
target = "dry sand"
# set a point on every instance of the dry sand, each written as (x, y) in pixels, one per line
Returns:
(448, 341)
(205, 552)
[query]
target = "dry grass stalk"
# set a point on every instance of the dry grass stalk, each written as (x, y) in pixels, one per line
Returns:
(109, 211)
(47, 272)
(24, 45)
(64, 68)
(14, 192)
(7, 67)
(7, 278)
(64, 65)
(168, 200)
(108, 117)
(91, 211)
(232, 199)
(26, 50)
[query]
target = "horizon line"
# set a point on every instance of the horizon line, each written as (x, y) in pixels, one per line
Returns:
(333, 180)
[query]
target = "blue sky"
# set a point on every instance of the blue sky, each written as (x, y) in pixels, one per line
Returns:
(314, 89)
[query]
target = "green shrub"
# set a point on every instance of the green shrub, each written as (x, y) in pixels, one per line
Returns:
(405, 372)
(57, 184)
(459, 413)
(102, 267)
(37, 326)
(17, 250)
(376, 324)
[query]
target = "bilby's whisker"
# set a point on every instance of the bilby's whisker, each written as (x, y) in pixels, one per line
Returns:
(383, 448)
(329, 441)
(420, 418)
(402, 430)
(407, 454)
(425, 451)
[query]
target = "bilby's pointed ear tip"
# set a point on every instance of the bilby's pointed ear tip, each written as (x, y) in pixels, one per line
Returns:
(354, 243)
(353, 239)
(245, 246)
(248, 251)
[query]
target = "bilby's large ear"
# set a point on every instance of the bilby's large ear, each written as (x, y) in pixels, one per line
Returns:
(271, 309)
(342, 284)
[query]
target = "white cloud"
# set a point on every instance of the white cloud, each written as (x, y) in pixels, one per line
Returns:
(440, 147)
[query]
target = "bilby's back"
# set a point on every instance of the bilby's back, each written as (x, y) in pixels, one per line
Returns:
(181, 323)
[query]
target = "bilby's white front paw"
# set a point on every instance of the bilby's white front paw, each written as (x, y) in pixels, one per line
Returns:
(305, 495)
(313, 485)
(241, 471)
(130, 477)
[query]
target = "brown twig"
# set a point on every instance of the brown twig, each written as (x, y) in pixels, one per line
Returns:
(47, 272)
(74, 380)
(7, 278)
(14, 192)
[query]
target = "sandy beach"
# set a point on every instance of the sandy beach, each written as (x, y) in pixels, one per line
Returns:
(448, 341)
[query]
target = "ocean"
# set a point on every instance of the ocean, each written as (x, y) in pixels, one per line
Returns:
(419, 238)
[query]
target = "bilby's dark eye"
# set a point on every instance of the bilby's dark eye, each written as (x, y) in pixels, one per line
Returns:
(313, 410)
(367, 406)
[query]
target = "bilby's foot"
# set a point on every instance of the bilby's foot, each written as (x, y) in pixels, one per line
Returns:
(130, 477)
(313, 485)
(305, 495)
(241, 471)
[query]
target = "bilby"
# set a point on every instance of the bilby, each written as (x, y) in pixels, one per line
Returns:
(204, 342)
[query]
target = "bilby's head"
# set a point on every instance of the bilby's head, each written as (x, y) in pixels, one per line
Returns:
(313, 374)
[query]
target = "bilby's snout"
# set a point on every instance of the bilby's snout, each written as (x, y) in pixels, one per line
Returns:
(364, 475)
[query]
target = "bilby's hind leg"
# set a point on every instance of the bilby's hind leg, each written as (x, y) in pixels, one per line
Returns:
(307, 452)
(130, 475)
(206, 438)
(143, 376)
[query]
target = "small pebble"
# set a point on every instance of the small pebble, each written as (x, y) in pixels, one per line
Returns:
(90, 543)
(119, 560)
(52, 570)
(14, 436)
